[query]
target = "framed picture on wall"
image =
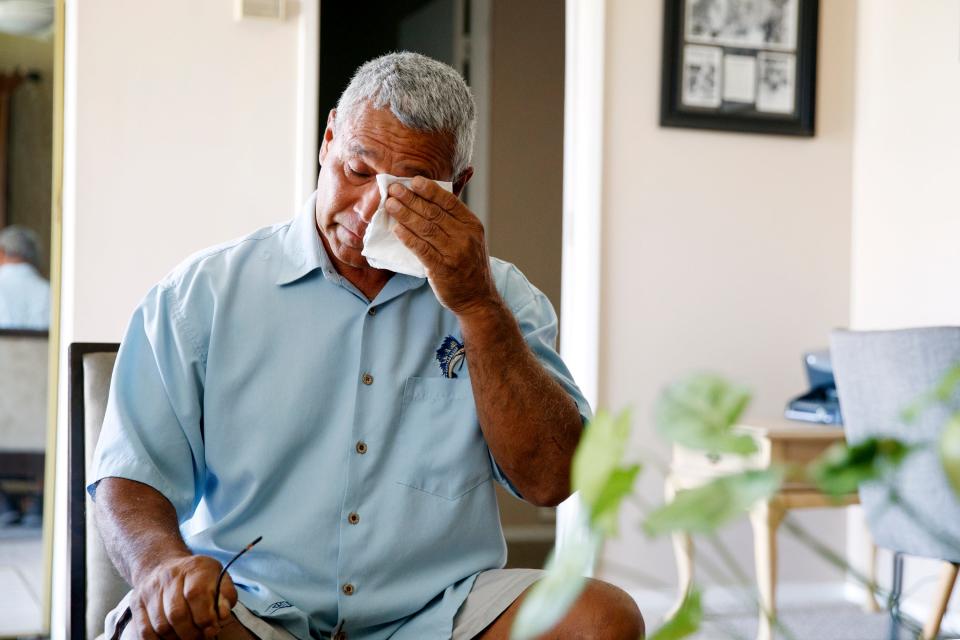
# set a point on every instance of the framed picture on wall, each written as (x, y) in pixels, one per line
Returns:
(740, 65)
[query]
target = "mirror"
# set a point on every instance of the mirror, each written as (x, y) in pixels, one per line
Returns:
(28, 93)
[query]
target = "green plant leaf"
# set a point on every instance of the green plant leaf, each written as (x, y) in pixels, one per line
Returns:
(549, 599)
(842, 468)
(597, 472)
(945, 392)
(705, 508)
(619, 485)
(700, 412)
(685, 622)
(950, 452)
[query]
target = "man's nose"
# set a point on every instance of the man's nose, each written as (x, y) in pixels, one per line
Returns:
(369, 202)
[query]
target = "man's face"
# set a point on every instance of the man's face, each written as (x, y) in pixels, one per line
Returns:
(372, 142)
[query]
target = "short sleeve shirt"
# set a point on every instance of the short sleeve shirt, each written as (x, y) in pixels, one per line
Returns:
(24, 298)
(264, 395)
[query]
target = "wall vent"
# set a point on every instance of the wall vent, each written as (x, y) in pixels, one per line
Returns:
(268, 9)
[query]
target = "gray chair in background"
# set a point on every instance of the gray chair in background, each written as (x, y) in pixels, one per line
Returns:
(95, 587)
(879, 374)
(23, 422)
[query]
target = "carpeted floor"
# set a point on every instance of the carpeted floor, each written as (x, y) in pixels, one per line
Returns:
(841, 622)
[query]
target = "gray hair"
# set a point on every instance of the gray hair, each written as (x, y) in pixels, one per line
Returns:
(422, 93)
(21, 242)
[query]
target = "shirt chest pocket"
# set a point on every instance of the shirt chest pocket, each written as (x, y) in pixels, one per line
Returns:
(443, 448)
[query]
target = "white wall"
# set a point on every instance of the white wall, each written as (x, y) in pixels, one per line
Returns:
(184, 128)
(726, 252)
(907, 165)
(906, 214)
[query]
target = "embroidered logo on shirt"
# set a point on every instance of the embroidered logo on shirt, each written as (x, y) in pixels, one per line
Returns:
(450, 355)
(282, 604)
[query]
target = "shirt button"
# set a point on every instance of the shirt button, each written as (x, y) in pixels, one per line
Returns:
(367, 379)
(353, 518)
(372, 311)
(348, 589)
(361, 447)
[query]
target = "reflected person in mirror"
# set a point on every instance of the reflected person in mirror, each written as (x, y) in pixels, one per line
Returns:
(24, 292)
(355, 418)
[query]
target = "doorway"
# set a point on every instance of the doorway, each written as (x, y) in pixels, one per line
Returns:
(511, 53)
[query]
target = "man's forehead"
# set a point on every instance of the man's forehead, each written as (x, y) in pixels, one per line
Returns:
(415, 159)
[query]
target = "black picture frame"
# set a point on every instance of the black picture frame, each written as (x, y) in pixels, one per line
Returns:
(706, 106)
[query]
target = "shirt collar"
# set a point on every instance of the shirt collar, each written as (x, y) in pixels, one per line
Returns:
(302, 250)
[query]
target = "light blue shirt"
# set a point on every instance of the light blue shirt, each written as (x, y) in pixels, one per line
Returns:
(24, 297)
(263, 394)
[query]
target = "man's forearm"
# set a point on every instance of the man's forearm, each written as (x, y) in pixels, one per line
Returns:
(139, 527)
(531, 424)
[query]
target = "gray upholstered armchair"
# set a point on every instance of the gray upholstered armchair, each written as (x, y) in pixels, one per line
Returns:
(94, 584)
(879, 374)
(23, 412)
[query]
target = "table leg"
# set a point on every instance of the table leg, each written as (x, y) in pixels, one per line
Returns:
(870, 604)
(947, 579)
(683, 556)
(765, 518)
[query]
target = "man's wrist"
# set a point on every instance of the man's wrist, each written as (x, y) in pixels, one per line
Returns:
(490, 310)
(157, 561)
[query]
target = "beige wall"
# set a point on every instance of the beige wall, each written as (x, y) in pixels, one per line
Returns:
(724, 252)
(906, 215)
(185, 134)
(906, 220)
(526, 139)
(30, 141)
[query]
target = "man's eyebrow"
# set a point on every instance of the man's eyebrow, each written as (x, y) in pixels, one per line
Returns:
(357, 149)
(417, 170)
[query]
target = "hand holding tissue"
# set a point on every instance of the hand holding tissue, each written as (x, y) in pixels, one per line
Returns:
(381, 247)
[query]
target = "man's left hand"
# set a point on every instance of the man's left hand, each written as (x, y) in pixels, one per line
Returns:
(448, 239)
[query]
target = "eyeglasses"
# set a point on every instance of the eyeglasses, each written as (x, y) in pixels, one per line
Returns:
(128, 613)
(223, 572)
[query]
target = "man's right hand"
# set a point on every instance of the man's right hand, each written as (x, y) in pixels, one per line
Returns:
(173, 589)
(175, 600)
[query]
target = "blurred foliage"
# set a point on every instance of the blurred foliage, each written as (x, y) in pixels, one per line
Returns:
(705, 508)
(603, 481)
(700, 412)
(947, 393)
(843, 467)
(685, 622)
(598, 473)
(950, 452)
(549, 599)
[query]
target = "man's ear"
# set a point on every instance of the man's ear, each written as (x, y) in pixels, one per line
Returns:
(327, 135)
(461, 181)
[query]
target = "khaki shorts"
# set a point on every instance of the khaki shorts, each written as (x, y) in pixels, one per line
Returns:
(492, 593)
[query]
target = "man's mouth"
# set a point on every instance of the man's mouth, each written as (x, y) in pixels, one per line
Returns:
(353, 239)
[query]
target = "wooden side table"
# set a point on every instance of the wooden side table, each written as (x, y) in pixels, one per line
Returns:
(778, 442)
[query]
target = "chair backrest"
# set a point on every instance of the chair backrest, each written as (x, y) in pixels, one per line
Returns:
(95, 585)
(880, 374)
(23, 391)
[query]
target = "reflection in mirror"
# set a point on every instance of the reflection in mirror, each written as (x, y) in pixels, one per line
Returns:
(26, 151)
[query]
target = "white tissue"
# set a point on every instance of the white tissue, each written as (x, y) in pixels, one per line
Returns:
(383, 249)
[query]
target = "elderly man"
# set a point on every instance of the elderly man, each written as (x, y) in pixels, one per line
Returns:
(24, 293)
(280, 386)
